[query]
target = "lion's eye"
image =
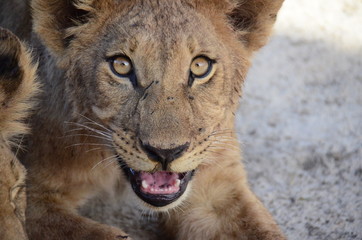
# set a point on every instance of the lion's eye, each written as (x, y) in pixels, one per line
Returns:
(201, 69)
(201, 66)
(121, 65)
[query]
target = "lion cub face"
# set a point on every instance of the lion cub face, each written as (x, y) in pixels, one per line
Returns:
(163, 76)
(164, 83)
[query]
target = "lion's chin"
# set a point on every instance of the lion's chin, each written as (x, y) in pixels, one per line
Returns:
(160, 188)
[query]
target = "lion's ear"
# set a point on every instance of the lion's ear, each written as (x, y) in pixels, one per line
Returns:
(254, 19)
(52, 19)
(251, 19)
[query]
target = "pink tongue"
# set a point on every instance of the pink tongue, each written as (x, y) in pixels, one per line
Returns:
(159, 182)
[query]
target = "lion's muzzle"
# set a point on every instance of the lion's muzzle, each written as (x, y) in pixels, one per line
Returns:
(164, 156)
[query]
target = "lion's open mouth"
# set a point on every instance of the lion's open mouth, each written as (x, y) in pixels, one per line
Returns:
(159, 188)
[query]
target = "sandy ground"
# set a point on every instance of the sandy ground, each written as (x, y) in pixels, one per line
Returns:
(300, 124)
(301, 120)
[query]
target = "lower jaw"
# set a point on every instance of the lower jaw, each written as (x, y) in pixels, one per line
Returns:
(157, 200)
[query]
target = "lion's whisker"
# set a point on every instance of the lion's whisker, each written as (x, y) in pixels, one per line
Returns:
(105, 134)
(210, 160)
(19, 146)
(213, 152)
(223, 139)
(231, 142)
(100, 162)
(73, 130)
(223, 131)
(226, 139)
(224, 148)
(89, 135)
(97, 124)
(94, 122)
(224, 144)
(228, 148)
(89, 144)
(93, 149)
(110, 161)
(222, 135)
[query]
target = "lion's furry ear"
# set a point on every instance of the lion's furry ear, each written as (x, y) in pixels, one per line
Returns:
(252, 19)
(53, 18)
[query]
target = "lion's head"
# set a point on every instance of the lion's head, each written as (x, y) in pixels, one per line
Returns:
(163, 76)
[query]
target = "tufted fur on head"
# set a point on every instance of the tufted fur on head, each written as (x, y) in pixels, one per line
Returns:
(54, 20)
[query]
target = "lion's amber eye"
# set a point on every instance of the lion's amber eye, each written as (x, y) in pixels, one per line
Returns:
(201, 67)
(121, 65)
(201, 70)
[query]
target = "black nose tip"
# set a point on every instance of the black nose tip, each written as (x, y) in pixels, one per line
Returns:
(164, 156)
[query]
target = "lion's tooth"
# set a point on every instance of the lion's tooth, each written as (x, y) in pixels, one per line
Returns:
(177, 183)
(144, 184)
(152, 189)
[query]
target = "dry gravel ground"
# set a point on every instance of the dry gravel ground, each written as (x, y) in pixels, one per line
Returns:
(300, 124)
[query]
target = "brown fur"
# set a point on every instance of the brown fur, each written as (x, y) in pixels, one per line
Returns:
(87, 114)
(17, 85)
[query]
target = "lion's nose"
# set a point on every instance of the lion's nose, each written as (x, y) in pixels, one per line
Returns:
(164, 156)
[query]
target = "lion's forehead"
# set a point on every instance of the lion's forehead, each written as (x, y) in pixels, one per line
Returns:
(160, 27)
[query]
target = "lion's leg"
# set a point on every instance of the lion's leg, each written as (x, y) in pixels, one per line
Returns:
(221, 206)
(55, 223)
(13, 98)
(52, 207)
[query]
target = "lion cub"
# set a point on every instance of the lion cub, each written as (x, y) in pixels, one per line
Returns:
(17, 85)
(139, 94)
